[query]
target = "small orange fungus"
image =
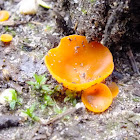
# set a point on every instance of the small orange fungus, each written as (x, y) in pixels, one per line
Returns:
(97, 98)
(114, 89)
(6, 38)
(4, 15)
(79, 64)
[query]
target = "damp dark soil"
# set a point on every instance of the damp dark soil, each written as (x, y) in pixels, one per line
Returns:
(34, 35)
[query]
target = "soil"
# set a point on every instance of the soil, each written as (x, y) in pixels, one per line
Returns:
(33, 36)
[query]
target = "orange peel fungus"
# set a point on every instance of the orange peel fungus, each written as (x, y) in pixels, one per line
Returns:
(114, 89)
(97, 98)
(79, 64)
(4, 15)
(6, 38)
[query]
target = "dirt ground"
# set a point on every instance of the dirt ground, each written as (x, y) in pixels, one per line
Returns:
(33, 36)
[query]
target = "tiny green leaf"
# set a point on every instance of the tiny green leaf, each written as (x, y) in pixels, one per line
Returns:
(48, 100)
(46, 88)
(30, 113)
(40, 79)
(66, 99)
(32, 108)
(30, 83)
(12, 104)
(43, 4)
(74, 102)
(43, 107)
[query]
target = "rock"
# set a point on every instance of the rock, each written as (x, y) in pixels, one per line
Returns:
(136, 110)
(9, 121)
(135, 120)
(28, 7)
(6, 94)
(72, 132)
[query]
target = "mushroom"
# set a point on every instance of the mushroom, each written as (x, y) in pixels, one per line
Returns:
(97, 98)
(114, 89)
(4, 15)
(79, 64)
(6, 95)
(6, 38)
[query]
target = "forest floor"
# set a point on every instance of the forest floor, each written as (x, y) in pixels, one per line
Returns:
(33, 36)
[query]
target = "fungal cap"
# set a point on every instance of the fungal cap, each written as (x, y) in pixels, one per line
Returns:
(79, 64)
(6, 38)
(4, 15)
(97, 98)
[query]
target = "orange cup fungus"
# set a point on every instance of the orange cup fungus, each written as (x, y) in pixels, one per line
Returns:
(79, 64)
(4, 15)
(97, 98)
(114, 89)
(6, 38)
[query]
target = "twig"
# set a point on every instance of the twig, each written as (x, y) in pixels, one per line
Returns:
(68, 112)
(35, 22)
(12, 23)
(58, 117)
(76, 25)
(133, 62)
(17, 23)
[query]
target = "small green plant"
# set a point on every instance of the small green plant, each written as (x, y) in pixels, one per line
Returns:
(40, 86)
(48, 100)
(47, 89)
(9, 30)
(59, 110)
(70, 96)
(30, 113)
(13, 33)
(14, 99)
(44, 90)
(39, 82)
(46, 93)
